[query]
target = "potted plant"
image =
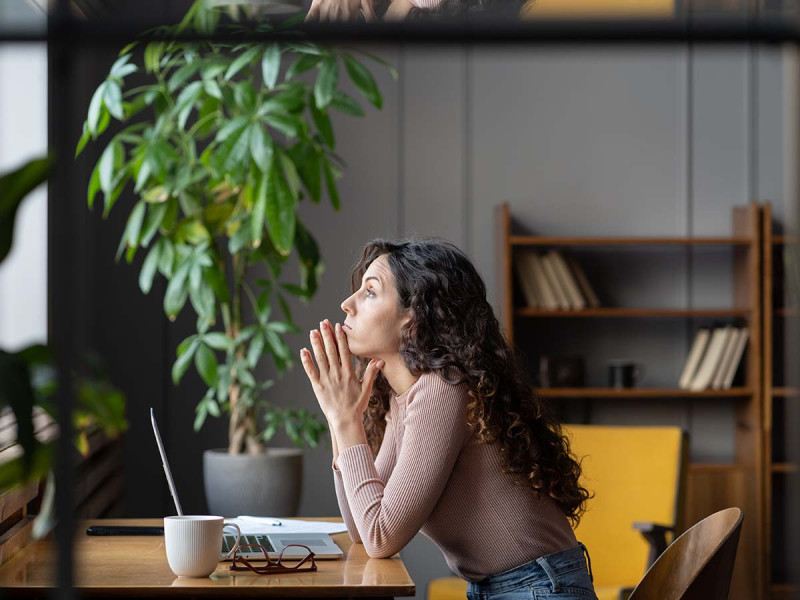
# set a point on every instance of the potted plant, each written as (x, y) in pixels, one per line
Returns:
(222, 140)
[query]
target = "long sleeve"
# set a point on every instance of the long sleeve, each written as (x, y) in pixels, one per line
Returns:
(389, 513)
(384, 464)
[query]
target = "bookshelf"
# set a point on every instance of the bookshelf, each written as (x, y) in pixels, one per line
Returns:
(710, 486)
(777, 470)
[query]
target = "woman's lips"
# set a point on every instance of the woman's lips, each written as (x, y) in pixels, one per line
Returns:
(346, 326)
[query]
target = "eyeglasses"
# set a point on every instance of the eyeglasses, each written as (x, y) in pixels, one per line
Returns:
(240, 563)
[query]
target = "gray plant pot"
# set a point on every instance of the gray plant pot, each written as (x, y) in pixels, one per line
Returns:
(267, 484)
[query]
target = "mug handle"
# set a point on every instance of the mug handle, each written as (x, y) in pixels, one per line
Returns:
(238, 537)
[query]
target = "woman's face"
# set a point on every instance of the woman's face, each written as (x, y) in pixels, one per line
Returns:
(373, 322)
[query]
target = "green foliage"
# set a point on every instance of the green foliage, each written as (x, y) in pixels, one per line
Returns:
(221, 142)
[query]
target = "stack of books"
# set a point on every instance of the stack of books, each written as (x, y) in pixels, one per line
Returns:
(551, 281)
(714, 358)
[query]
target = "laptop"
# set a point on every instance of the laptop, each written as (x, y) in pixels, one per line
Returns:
(321, 544)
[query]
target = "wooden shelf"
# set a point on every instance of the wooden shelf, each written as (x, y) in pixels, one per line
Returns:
(588, 392)
(783, 468)
(785, 392)
(787, 312)
(784, 239)
(635, 312)
(530, 240)
(710, 486)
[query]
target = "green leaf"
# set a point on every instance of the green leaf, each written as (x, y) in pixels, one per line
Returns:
(346, 104)
(261, 148)
(234, 150)
(152, 56)
(182, 75)
(280, 213)
(206, 364)
(200, 417)
(177, 292)
(84, 139)
(184, 360)
(306, 48)
(240, 62)
(245, 334)
(287, 312)
(134, 227)
(94, 185)
(260, 208)
(323, 123)
(330, 181)
(217, 340)
(165, 262)
(14, 187)
(214, 278)
(121, 68)
(302, 64)
(271, 65)
(112, 98)
(277, 344)
(308, 162)
(106, 165)
(326, 82)
(186, 100)
(255, 350)
(286, 124)
(363, 80)
(149, 268)
(282, 327)
(290, 174)
(95, 107)
(155, 215)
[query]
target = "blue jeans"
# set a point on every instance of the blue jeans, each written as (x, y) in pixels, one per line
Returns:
(564, 575)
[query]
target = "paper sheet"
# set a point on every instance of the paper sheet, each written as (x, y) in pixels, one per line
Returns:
(249, 524)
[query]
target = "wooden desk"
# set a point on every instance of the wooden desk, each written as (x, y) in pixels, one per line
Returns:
(136, 566)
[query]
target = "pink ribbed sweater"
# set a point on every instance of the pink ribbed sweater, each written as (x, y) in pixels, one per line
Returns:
(432, 475)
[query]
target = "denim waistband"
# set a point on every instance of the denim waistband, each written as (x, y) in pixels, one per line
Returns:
(546, 568)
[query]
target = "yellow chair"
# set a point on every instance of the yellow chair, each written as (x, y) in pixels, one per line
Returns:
(637, 475)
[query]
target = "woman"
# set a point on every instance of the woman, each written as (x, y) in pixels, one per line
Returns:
(466, 453)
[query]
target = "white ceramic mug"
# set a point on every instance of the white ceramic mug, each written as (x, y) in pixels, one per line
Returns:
(194, 543)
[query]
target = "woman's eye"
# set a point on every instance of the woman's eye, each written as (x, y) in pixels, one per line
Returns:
(369, 291)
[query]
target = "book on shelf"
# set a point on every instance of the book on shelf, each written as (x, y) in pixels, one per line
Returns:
(552, 281)
(736, 358)
(567, 280)
(547, 294)
(699, 345)
(727, 357)
(555, 284)
(583, 283)
(527, 281)
(712, 357)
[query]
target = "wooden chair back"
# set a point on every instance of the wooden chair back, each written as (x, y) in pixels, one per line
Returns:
(698, 565)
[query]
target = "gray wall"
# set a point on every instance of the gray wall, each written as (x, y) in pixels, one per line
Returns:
(584, 141)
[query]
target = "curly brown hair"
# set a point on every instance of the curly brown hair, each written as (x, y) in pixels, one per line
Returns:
(453, 332)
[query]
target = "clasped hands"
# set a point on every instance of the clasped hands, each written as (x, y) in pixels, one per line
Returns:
(342, 397)
(340, 10)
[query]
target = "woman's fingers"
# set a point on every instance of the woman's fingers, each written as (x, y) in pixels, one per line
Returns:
(370, 373)
(308, 365)
(331, 351)
(369, 11)
(344, 350)
(319, 353)
(313, 12)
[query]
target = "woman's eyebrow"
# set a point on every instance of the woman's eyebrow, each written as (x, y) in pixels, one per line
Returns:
(372, 277)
